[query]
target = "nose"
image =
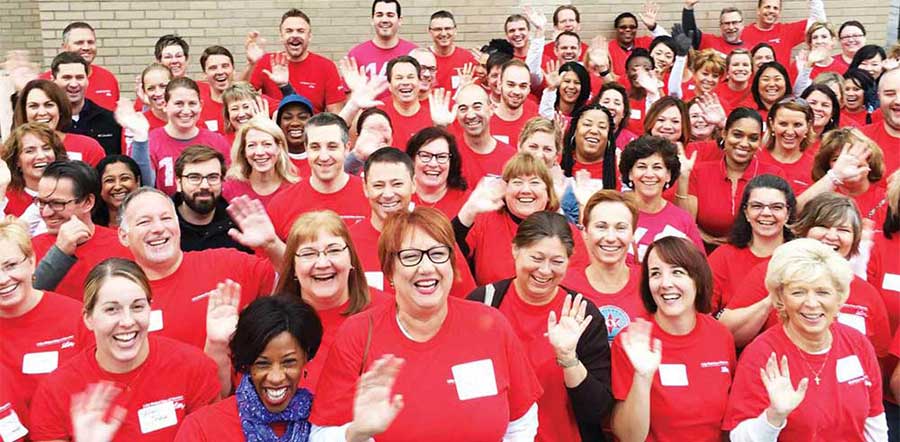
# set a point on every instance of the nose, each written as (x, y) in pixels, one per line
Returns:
(276, 374)
(45, 211)
(127, 318)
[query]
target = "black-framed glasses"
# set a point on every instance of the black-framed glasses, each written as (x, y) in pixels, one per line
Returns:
(412, 257)
(196, 178)
(331, 252)
(55, 205)
(757, 207)
(426, 157)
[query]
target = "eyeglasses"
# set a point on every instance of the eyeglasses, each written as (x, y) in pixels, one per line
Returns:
(848, 37)
(759, 207)
(309, 254)
(196, 178)
(431, 69)
(426, 157)
(412, 257)
(55, 205)
(8, 268)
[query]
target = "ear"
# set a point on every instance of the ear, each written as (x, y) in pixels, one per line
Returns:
(178, 185)
(122, 232)
(88, 320)
(89, 202)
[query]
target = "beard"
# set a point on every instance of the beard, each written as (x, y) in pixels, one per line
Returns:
(202, 207)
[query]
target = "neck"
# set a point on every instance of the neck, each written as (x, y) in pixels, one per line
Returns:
(585, 160)
(892, 131)
(808, 343)
(331, 186)
(521, 52)
(30, 300)
(566, 108)
(506, 113)
(113, 217)
(431, 194)
(422, 325)
(650, 204)
(264, 183)
(737, 85)
(787, 156)
(386, 43)
(857, 188)
(77, 107)
(159, 113)
(192, 217)
(483, 143)
(679, 325)
(181, 134)
(156, 271)
(407, 109)
(764, 246)
(215, 94)
(530, 298)
(608, 277)
(299, 58)
(735, 169)
(764, 27)
(443, 51)
(320, 303)
(110, 364)
(31, 183)
(296, 148)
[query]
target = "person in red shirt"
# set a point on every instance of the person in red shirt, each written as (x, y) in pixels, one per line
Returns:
(173, 52)
(451, 59)
(66, 196)
(884, 265)
(819, 38)
(310, 74)
(671, 375)
(274, 343)
(154, 79)
(887, 133)
(292, 114)
(609, 221)
(761, 53)
(15, 410)
(768, 205)
(614, 98)
(826, 108)
(771, 84)
(39, 330)
(516, 28)
(260, 167)
(589, 146)
(566, 18)
(626, 25)
(734, 92)
(427, 71)
(823, 359)
(328, 186)
(782, 36)
(644, 88)
(481, 152)
(852, 35)
(790, 134)
(570, 356)
(866, 189)
(217, 64)
(438, 173)
(373, 55)
(731, 25)
(103, 88)
(567, 88)
(514, 108)
(159, 381)
(406, 112)
(859, 92)
(669, 118)
(494, 388)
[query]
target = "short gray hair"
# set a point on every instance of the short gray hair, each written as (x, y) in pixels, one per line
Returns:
(806, 260)
(132, 196)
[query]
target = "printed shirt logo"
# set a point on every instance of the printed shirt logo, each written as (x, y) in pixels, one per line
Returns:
(616, 319)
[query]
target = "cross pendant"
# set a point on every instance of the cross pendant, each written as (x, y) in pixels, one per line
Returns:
(817, 379)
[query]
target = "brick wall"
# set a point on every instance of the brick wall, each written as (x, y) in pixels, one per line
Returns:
(127, 30)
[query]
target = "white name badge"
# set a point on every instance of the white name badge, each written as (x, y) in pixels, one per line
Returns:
(474, 379)
(673, 375)
(375, 280)
(157, 416)
(454, 82)
(635, 114)
(11, 427)
(891, 282)
(857, 322)
(40, 363)
(212, 125)
(848, 368)
(74, 156)
(502, 138)
(156, 320)
(670, 231)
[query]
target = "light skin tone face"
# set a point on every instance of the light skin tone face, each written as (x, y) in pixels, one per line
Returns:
(517, 34)
(742, 140)
(62, 192)
(15, 276)
(154, 84)
(526, 195)
(423, 288)
(174, 58)
(295, 34)
(706, 80)
(626, 30)
(326, 152)
(852, 38)
(615, 102)
(740, 68)
(811, 307)
(433, 174)
(428, 67)
(568, 48)
(821, 38)
(838, 236)
(872, 66)
(261, 151)
(277, 371)
(493, 80)
(672, 288)
(540, 267)
(474, 111)
(404, 83)
(39, 107)
(790, 128)
(767, 212)
(668, 124)
(219, 72)
(120, 320)
(566, 20)
(609, 232)
(379, 125)
(201, 198)
(700, 129)
(889, 95)
(730, 26)
(389, 188)
(116, 183)
(323, 277)
(35, 156)
(822, 108)
(768, 13)
(83, 42)
(386, 21)
(72, 79)
(649, 176)
(591, 136)
(151, 231)
(663, 57)
(293, 121)
(763, 55)
(240, 112)
(443, 32)
(541, 145)
(515, 85)
(183, 108)
(772, 86)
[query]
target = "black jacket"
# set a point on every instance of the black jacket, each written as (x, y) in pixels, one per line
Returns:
(210, 236)
(592, 400)
(99, 124)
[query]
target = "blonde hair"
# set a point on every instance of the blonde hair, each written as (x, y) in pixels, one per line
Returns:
(240, 168)
(709, 59)
(540, 124)
(239, 90)
(806, 260)
(14, 230)
(525, 164)
(112, 268)
(815, 27)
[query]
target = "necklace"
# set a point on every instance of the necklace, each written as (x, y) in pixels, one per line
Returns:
(816, 373)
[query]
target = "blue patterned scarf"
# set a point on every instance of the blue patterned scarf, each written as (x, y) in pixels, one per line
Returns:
(256, 419)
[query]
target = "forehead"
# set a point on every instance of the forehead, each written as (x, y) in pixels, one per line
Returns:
(516, 25)
(116, 169)
(149, 203)
(851, 29)
(256, 134)
(731, 16)
(295, 107)
(626, 21)
(565, 14)
(172, 49)
(204, 167)
(29, 140)
(541, 137)
(638, 61)
(183, 93)
(424, 58)
(327, 133)
(517, 74)
(388, 171)
(471, 95)
(80, 34)
(611, 94)
(403, 68)
(60, 188)
(613, 211)
(442, 22)
(594, 115)
(890, 80)
(385, 7)
(764, 52)
(775, 3)
(37, 95)
(437, 145)
(771, 72)
(72, 69)
(294, 23)
(569, 40)
(767, 194)
(120, 290)
(217, 59)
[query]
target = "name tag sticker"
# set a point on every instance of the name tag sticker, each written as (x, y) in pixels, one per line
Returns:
(673, 375)
(474, 379)
(11, 427)
(375, 280)
(857, 322)
(454, 82)
(635, 114)
(849, 368)
(212, 125)
(157, 416)
(502, 138)
(40, 363)
(891, 282)
(74, 156)
(156, 320)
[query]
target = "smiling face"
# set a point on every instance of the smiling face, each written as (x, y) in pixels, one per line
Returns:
(854, 96)
(567, 20)
(822, 108)
(668, 125)
(839, 236)
(790, 128)
(386, 20)
(763, 55)
(821, 39)
(404, 83)
(730, 26)
(219, 72)
(740, 68)
(183, 108)
(326, 152)
(873, 66)
(324, 280)
(120, 319)
(84, 42)
(35, 156)
(174, 58)
(772, 86)
(649, 176)
(16, 271)
(39, 107)
(428, 69)
(389, 188)
(742, 140)
(609, 233)
(626, 30)
(150, 230)
(889, 95)
(541, 145)
(73, 80)
(591, 136)
(615, 102)
(515, 85)
(277, 371)
(700, 129)
(526, 195)
(261, 151)
(295, 34)
(443, 32)
(635, 66)
(568, 48)
(473, 111)
(663, 56)
(706, 80)
(768, 12)
(116, 183)
(422, 288)
(433, 174)
(154, 85)
(540, 267)
(852, 38)
(240, 112)
(517, 34)
(672, 288)
(767, 212)
(62, 191)
(293, 122)
(569, 87)
(811, 308)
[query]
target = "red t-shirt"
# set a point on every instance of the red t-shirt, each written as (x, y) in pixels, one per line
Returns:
(300, 161)
(717, 203)
(447, 75)
(218, 422)
(476, 166)
(837, 65)
(670, 221)
(870, 203)
(731, 99)
(864, 310)
(449, 204)
(890, 145)
(729, 266)
(18, 202)
(102, 89)
(834, 410)
(154, 121)
(407, 126)
(884, 274)
(689, 393)
(783, 37)
(164, 151)
(83, 148)
(233, 188)
(349, 202)
(179, 301)
(635, 121)
(468, 382)
(315, 77)
(619, 55)
(556, 417)
(618, 309)
(798, 174)
(13, 410)
(102, 245)
(43, 339)
(855, 119)
(717, 43)
(595, 170)
(507, 132)
(174, 381)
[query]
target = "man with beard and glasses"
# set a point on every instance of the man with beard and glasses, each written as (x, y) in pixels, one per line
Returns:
(199, 204)
(310, 74)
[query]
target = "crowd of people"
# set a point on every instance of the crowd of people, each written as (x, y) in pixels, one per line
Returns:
(682, 235)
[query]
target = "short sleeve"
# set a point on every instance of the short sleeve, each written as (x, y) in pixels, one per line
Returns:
(752, 288)
(337, 383)
(191, 430)
(748, 395)
(876, 406)
(622, 370)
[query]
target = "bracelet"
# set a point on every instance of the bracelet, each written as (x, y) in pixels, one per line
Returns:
(834, 178)
(682, 197)
(567, 364)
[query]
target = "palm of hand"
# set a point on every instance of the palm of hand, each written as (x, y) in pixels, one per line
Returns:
(221, 322)
(564, 334)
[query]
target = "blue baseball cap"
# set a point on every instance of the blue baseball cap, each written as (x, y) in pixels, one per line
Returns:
(293, 98)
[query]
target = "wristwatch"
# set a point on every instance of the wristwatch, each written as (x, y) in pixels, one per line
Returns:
(567, 364)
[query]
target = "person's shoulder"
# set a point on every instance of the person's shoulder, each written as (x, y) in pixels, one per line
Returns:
(361, 46)
(181, 354)
(851, 338)
(62, 303)
(765, 343)
(317, 58)
(489, 318)
(714, 329)
(102, 71)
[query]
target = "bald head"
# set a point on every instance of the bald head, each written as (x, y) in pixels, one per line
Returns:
(889, 95)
